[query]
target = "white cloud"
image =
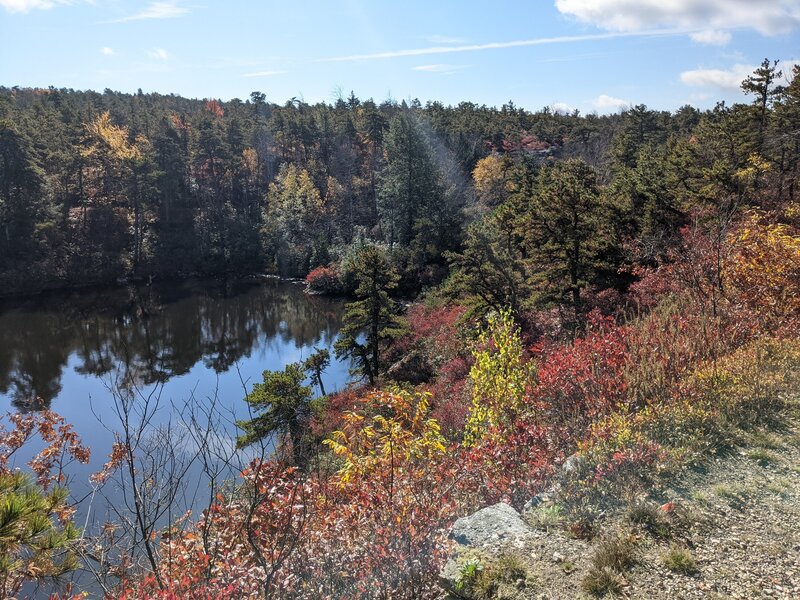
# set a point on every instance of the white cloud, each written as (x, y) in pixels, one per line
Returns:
(606, 102)
(561, 108)
(729, 79)
(156, 10)
(711, 37)
(107, 51)
(443, 69)
(499, 45)
(158, 54)
(264, 74)
(726, 79)
(769, 17)
(23, 6)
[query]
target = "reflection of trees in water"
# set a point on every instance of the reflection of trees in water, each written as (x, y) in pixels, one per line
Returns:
(148, 335)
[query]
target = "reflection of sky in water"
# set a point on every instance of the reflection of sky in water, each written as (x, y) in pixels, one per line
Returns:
(201, 343)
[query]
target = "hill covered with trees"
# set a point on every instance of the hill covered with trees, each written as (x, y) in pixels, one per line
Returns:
(95, 188)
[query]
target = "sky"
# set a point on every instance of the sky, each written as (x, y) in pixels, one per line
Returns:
(591, 55)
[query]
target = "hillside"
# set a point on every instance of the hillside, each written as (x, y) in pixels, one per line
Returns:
(727, 528)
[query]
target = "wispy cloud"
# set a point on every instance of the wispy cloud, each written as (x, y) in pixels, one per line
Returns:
(156, 10)
(566, 39)
(107, 51)
(158, 54)
(442, 69)
(263, 73)
(23, 6)
(711, 37)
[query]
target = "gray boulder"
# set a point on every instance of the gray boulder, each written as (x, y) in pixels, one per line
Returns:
(490, 526)
(488, 531)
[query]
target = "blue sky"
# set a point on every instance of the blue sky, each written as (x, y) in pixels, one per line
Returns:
(593, 55)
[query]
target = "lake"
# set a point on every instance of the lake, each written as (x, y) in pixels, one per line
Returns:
(181, 347)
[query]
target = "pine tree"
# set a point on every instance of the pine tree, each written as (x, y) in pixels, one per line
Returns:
(371, 314)
(284, 407)
(408, 187)
(35, 533)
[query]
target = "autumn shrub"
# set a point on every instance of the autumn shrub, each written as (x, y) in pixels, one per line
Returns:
(498, 379)
(763, 270)
(324, 280)
(394, 473)
(451, 399)
(511, 466)
(579, 383)
(743, 389)
(750, 386)
(376, 528)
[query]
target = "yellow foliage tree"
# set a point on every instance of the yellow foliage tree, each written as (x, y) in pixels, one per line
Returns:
(764, 268)
(498, 378)
(394, 428)
(106, 140)
(490, 177)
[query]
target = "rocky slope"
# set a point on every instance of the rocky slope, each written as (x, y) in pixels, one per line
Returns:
(729, 529)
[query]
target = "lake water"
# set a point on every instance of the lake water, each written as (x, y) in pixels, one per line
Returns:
(187, 345)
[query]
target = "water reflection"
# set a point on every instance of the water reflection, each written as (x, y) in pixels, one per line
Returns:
(149, 335)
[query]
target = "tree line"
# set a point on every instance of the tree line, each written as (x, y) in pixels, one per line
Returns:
(97, 188)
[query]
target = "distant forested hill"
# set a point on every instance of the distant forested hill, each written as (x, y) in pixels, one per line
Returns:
(95, 187)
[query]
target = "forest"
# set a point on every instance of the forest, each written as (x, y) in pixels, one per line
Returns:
(523, 289)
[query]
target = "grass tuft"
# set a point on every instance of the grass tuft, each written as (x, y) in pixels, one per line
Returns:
(651, 519)
(602, 581)
(679, 560)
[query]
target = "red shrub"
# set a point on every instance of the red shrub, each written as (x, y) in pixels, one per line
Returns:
(324, 280)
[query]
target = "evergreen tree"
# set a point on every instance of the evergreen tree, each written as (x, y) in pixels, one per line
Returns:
(566, 232)
(316, 364)
(762, 85)
(283, 405)
(372, 314)
(408, 185)
(35, 534)
(23, 192)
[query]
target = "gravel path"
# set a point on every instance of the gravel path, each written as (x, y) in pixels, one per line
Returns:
(744, 532)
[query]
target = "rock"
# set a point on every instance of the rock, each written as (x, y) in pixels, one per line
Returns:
(539, 499)
(490, 526)
(413, 368)
(450, 574)
(572, 464)
(490, 529)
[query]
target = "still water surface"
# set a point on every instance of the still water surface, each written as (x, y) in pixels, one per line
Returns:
(187, 343)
